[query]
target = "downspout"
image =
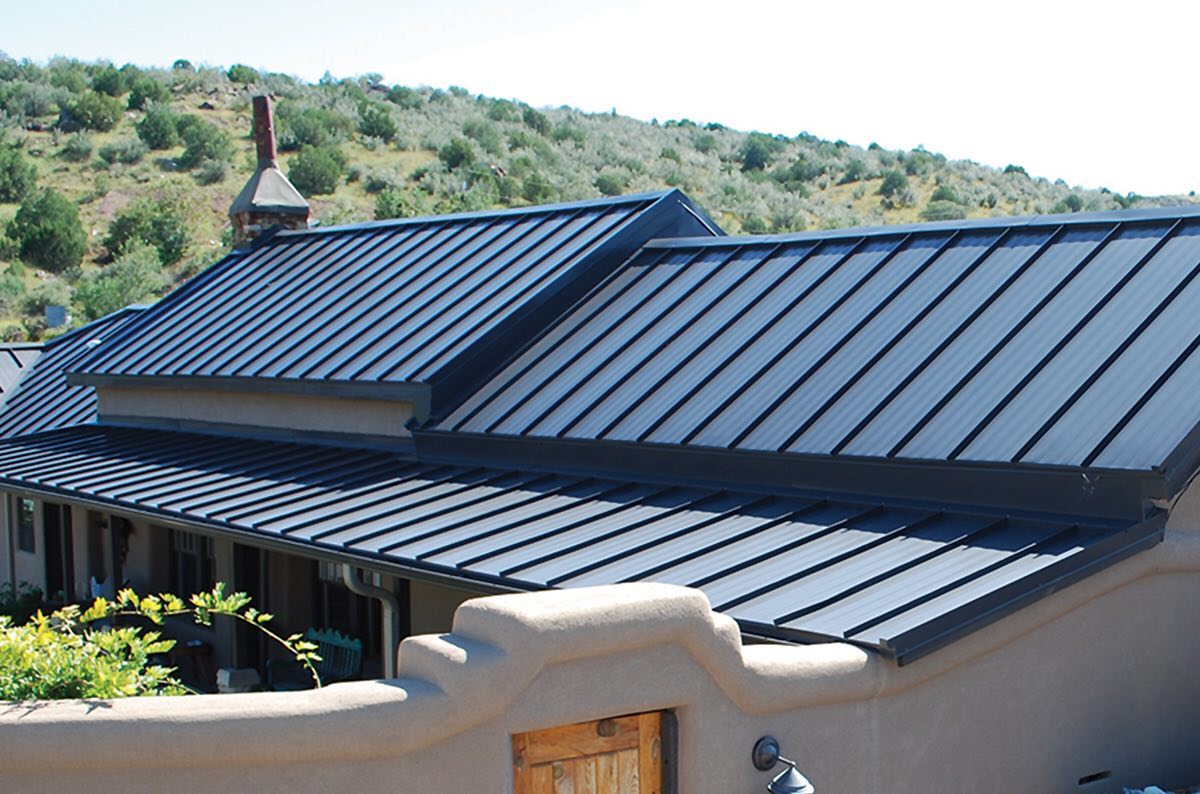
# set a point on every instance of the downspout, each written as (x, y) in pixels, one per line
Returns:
(391, 615)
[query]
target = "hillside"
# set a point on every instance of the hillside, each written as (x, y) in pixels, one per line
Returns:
(369, 150)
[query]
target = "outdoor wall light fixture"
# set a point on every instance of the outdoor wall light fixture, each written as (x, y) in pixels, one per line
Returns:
(789, 781)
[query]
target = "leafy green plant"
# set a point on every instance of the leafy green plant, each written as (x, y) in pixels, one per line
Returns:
(894, 182)
(393, 203)
(317, 170)
(943, 210)
(109, 80)
(134, 277)
(78, 148)
(375, 121)
(17, 174)
(757, 151)
(63, 655)
(145, 90)
(128, 151)
(48, 232)
(241, 73)
(158, 222)
(95, 111)
(159, 128)
(202, 140)
(458, 152)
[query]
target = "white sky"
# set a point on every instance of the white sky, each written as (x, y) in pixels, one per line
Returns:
(1098, 93)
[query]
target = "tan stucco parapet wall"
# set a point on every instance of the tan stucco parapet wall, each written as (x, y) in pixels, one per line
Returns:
(499, 647)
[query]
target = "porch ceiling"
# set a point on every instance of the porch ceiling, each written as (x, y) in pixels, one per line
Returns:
(900, 578)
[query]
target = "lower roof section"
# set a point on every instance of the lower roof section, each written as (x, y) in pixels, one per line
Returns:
(898, 578)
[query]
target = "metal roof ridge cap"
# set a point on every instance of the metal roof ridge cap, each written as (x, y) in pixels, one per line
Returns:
(632, 198)
(1145, 215)
(532, 462)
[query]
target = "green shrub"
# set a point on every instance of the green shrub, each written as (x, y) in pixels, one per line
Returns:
(67, 74)
(159, 128)
(894, 182)
(128, 151)
(393, 203)
(705, 142)
(943, 210)
(31, 100)
(536, 121)
(306, 125)
(111, 81)
(757, 151)
(241, 73)
(61, 656)
(202, 140)
(855, 170)
(944, 193)
(52, 292)
(13, 331)
(160, 223)
(210, 172)
(485, 134)
(95, 111)
(458, 152)
(404, 97)
(78, 148)
(12, 289)
(48, 232)
(134, 277)
(317, 170)
(1015, 169)
(536, 188)
(144, 90)
(752, 224)
(610, 183)
(375, 121)
(18, 174)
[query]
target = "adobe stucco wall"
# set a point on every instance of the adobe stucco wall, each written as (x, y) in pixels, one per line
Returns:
(1101, 676)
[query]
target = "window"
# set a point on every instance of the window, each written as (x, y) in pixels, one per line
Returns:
(193, 569)
(25, 511)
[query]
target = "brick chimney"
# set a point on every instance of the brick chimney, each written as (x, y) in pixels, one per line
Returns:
(268, 199)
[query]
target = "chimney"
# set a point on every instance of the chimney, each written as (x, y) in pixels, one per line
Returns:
(268, 199)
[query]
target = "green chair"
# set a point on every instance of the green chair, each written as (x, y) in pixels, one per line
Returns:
(341, 660)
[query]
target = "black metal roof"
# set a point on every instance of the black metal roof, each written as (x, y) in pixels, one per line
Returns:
(437, 300)
(901, 578)
(1049, 342)
(41, 399)
(14, 358)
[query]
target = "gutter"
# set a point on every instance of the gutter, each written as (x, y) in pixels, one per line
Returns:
(391, 615)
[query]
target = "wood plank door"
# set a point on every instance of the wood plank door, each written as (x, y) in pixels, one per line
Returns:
(617, 755)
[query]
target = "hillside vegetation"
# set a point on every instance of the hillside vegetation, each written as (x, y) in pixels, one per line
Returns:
(148, 161)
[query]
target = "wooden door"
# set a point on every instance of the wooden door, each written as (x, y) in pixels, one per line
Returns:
(618, 755)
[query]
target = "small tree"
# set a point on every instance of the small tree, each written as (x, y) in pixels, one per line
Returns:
(458, 152)
(48, 232)
(145, 90)
(317, 170)
(394, 203)
(757, 151)
(159, 223)
(241, 73)
(18, 174)
(61, 656)
(111, 81)
(159, 129)
(404, 97)
(135, 277)
(375, 121)
(202, 140)
(95, 111)
(894, 181)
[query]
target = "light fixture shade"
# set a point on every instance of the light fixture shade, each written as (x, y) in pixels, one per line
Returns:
(790, 781)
